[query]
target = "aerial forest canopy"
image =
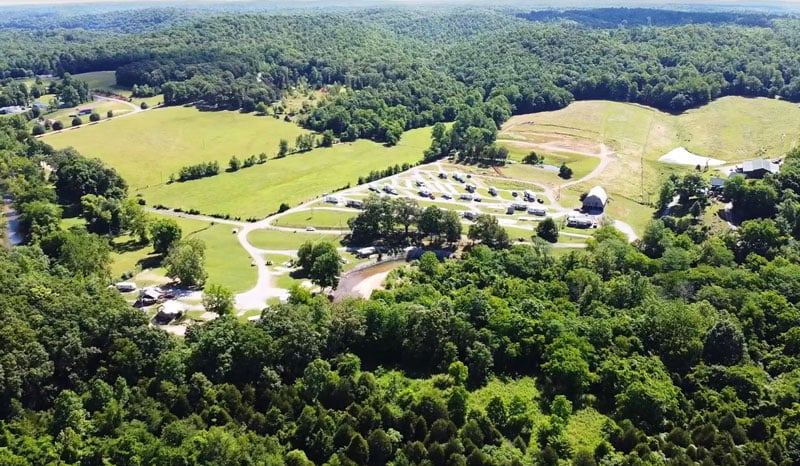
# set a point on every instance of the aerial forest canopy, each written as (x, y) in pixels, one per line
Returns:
(403, 69)
(679, 348)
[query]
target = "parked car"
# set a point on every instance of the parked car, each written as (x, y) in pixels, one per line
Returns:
(446, 196)
(311, 229)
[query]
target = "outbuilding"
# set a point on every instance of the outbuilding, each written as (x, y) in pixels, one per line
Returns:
(758, 168)
(596, 199)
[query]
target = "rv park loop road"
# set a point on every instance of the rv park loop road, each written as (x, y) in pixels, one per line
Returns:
(256, 297)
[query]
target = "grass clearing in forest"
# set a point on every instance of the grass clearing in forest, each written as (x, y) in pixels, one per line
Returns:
(149, 147)
(317, 218)
(227, 263)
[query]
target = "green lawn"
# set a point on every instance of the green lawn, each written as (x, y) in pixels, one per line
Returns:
(149, 147)
(581, 165)
(101, 80)
(283, 240)
(227, 263)
(318, 218)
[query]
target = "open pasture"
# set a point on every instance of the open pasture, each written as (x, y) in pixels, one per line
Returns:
(147, 148)
(226, 262)
(258, 191)
(730, 128)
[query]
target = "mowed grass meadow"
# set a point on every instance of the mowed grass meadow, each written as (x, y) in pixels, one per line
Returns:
(731, 129)
(107, 81)
(227, 263)
(147, 148)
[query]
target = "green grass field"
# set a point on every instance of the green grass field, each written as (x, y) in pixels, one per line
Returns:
(226, 262)
(149, 147)
(317, 218)
(101, 80)
(100, 106)
(731, 129)
(581, 165)
(284, 240)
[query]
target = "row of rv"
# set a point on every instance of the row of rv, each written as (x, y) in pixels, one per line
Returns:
(354, 203)
(533, 210)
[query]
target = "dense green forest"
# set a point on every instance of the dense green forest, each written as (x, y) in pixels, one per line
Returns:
(404, 69)
(687, 343)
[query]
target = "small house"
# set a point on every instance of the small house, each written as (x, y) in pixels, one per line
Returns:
(759, 168)
(596, 199)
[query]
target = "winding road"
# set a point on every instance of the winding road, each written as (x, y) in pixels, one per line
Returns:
(134, 110)
(264, 289)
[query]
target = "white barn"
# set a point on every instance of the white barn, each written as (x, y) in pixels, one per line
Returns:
(596, 199)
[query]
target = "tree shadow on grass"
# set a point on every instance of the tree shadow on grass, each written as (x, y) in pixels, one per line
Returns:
(127, 246)
(152, 261)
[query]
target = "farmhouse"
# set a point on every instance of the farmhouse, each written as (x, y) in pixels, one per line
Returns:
(758, 168)
(596, 199)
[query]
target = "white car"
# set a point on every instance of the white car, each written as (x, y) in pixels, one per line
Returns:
(311, 229)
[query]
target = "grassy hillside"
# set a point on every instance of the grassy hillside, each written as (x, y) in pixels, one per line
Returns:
(731, 129)
(259, 190)
(147, 148)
